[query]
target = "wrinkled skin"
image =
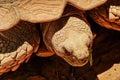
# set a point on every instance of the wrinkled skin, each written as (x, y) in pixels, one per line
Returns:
(16, 45)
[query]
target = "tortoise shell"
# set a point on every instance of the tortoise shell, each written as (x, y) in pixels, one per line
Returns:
(12, 11)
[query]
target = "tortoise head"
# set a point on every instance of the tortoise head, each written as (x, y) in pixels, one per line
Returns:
(72, 42)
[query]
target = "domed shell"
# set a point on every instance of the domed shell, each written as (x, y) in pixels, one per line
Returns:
(12, 11)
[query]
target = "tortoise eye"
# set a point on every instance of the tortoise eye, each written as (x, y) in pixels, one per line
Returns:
(68, 53)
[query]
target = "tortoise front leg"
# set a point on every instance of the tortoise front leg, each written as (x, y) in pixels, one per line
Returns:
(16, 45)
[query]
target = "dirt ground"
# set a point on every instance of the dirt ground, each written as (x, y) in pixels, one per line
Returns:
(106, 62)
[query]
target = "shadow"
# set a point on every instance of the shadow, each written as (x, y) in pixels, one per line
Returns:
(106, 47)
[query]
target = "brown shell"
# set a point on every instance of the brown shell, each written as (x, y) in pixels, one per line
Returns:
(107, 15)
(11, 11)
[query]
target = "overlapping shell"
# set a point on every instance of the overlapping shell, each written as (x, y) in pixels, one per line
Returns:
(11, 11)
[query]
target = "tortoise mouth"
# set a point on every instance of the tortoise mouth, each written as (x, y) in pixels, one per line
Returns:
(73, 61)
(76, 62)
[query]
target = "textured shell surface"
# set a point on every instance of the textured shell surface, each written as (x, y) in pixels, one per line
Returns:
(38, 11)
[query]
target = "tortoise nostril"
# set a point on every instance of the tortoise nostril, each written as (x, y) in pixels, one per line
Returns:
(83, 60)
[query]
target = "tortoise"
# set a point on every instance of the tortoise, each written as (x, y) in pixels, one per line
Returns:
(65, 32)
